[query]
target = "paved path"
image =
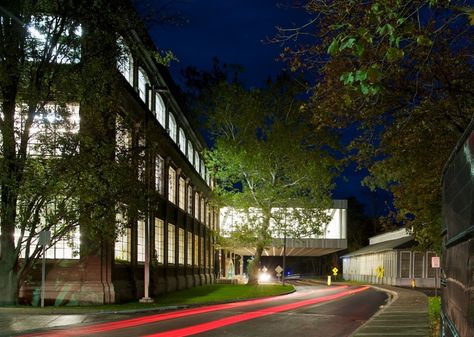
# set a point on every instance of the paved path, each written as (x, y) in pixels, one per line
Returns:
(405, 316)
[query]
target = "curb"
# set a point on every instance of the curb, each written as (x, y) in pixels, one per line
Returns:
(393, 297)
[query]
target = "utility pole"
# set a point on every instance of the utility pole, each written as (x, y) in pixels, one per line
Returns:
(44, 240)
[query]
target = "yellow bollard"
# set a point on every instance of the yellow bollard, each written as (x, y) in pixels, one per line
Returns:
(413, 283)
(329, 280)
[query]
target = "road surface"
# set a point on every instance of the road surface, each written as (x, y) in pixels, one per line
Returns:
(311, 311)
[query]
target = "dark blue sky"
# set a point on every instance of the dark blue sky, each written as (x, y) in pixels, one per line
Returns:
(233, 31)
(236, 32)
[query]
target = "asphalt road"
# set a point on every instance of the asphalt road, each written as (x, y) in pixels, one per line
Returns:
(311, 311)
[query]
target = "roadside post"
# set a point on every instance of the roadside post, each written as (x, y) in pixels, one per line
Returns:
(44, 240)
(379, 271)
(278, 270)
(435, 263)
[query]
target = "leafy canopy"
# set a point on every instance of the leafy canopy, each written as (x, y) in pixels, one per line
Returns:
(402, 72)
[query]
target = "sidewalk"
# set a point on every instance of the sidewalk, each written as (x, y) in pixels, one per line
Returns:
(405, 316)
(14, 321)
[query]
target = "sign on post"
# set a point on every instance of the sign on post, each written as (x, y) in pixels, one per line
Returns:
(278, 270)
(334, 271)
(44, 238)
(435, 263)
(379, 270)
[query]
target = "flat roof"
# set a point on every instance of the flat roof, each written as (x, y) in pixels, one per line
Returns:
(296, 247)
(404, 242)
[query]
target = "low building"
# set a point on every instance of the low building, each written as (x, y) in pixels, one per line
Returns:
(391, 258)
(333, 238)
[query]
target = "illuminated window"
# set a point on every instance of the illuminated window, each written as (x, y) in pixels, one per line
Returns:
(159, 176)
(201, 213)
(182, 193)
(123, 138)
(211, 255)
(190, 152)
(208, 215)
(196, 160)
(189, 259)
(143, 84)
(202, 255)
(160, 109)
(172, 126)
(182, 141)
(208, 254)
(172, 185)
(181, 246)
(47, 128)
(196, 205)
(203, 169)
(44, 30)
(122, 245)
(196, 249)
(405, 264)
(141, 159)
(159, 240)
(125, 62)
(141, 241)
(67, 247)
(171, 244)
(190, 200)
(418, 259)
(122, 242)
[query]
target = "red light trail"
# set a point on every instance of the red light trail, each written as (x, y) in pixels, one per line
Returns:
(104, 327)
(251, 315)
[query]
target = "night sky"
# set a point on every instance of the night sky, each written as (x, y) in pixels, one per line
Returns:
(237, 32)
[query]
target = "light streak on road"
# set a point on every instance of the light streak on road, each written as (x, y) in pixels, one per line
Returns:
(110, 326)
(192, 330)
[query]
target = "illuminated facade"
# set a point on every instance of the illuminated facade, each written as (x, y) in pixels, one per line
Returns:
(177, 224)
(333, 238)
(390, 259)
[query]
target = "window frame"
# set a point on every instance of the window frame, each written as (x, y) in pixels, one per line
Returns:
(159, 240)
(171, 256)
(172, 185)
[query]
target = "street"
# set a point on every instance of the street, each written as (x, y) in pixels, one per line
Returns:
(311, 311)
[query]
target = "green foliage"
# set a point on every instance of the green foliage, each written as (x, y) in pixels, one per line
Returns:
(165, 57)
(402, 72)
(434, 311)
(268, 160)
(52, 174)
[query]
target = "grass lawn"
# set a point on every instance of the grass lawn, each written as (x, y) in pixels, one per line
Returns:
(434, 307)
(199, 295)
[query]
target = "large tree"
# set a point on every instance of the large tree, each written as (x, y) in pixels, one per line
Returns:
(55, 171)
(268, 161)
(401, 71)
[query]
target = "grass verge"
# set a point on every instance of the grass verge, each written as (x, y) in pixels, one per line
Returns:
(213, 293)
(434, 308)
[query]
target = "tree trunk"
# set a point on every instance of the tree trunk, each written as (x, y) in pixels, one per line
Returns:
(9, 287)
(253, 272)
